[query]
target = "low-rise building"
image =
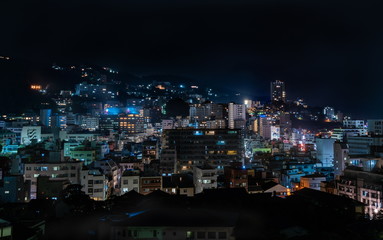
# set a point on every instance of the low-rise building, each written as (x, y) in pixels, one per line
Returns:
(312, 181)
(95, 184)
(204, 177)
(145, 225)
(55, 170)
(150, 184)
(237, 176)
(181, 184)
(361, 181)
(14, 189)
(130, 180)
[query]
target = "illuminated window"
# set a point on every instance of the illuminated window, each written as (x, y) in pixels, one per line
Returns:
(231, 152)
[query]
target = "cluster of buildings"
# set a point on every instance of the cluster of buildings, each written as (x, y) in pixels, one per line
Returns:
(113, 147)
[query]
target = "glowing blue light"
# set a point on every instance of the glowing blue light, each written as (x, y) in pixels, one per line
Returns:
(132, 110)
(112, 111)
(243, 167)
(221, 142)
(135, 213)
(197, 133)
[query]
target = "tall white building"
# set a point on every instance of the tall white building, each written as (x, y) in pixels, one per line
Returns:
(237, 115)
(325, 151)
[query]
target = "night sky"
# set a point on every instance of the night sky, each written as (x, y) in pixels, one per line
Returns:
(328, 52)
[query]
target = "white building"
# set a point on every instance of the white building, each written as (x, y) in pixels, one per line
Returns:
(30, 134)
(204, 178)
(95, 184)
(236, 112)
(349, 123)
(109, 168)
(343, 133)
(325, 151)
(130, 181)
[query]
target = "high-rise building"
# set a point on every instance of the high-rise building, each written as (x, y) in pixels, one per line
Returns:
(325, 151)
(237, 115)
(278, 92)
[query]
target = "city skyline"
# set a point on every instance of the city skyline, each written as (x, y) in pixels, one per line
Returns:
(327, 58)
(191, 120)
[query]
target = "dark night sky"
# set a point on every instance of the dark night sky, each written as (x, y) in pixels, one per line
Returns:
(328, 52)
